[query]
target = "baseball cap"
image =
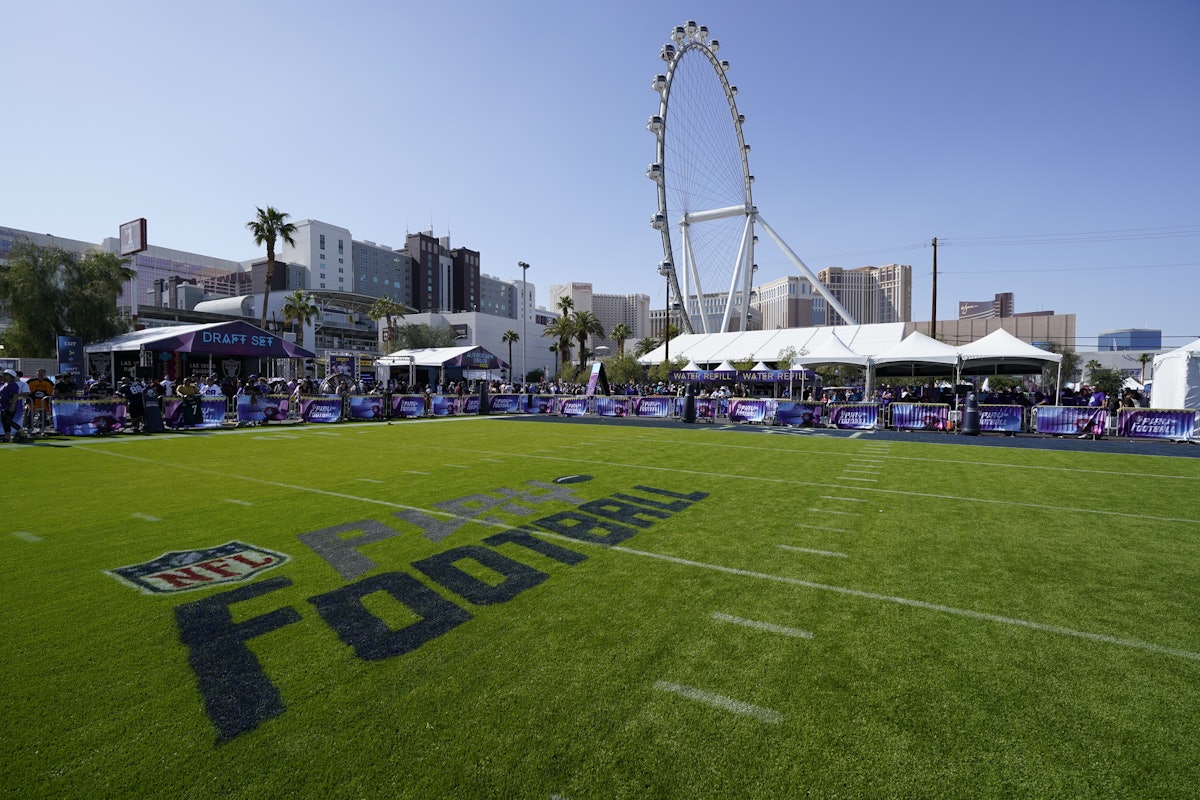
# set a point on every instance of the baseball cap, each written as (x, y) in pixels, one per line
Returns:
(10, 372)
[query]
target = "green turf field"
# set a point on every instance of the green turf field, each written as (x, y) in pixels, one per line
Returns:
(420, 610)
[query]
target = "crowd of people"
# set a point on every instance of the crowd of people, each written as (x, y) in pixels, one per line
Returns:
(34, 396)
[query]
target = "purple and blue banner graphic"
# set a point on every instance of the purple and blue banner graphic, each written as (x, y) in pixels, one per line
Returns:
(470, 404)
(706, 408)
(1156, 423)
(262, 408)
(365, 406)
(653, 406)
(506, 403)
(411, 405)
(801, 415)
(742, 410)
(1002, 419)
(612, 406)
(920, 416)
(539, 404)
(321, 409)
(88, 417)
(572, 406)
(1071, 420)
(212, 412)
(854, 416)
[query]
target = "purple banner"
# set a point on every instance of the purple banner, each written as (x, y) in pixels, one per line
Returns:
(1071, 420)
(612, 406)
(854, 416)
(920, 416)
(804, 415)
(572, 406)
(212, 412)
(653, 406)
(1008, 419)
(321, 409)
(505, 403)
(470, 404)
(366, 406)
(262, 408)
(706, 408)
(539, 404)
(1156, 423)
(88, 417)
(742, 410)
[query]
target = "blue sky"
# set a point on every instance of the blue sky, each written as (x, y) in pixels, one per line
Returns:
(1050, 146)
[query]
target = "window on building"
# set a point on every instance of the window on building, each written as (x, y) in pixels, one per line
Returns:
(322, 243)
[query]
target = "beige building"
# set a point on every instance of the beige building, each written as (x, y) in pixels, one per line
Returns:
(870, 294)
(610, 309)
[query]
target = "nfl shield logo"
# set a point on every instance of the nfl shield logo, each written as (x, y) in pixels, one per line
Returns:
(185, 570)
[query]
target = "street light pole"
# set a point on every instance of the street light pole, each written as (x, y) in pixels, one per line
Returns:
(524, 317)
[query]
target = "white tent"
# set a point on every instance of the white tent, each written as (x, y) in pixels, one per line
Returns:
(1177, 378)
(917, 355)
(830, 350)
(1001, 353)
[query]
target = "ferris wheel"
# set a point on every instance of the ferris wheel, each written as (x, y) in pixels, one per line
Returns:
(706, 212)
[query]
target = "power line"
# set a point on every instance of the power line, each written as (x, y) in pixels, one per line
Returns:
(1066, 269)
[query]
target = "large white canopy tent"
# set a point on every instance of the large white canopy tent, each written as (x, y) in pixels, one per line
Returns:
(1177, 378)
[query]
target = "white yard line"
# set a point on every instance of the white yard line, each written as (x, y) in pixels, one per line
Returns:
(721, 701)
(830, 553)
(769, 627)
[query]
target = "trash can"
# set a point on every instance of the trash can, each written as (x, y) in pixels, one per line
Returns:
(483, 398)
(970, 415)
(689, 405)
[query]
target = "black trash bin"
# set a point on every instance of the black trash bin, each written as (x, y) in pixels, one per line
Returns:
(970, 415)
(483, 398)
(689, 405)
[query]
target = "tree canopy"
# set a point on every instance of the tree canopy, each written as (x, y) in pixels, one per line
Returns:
(50, 292)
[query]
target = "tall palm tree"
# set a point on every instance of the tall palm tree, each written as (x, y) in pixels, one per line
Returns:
(620, 332)
(565, 305)
(510, 337)
(644, 345)
(1144, 359)
(299, 307)
(386, 308)
(562, 329)
(267, 227)
(554, 349)
(586, 324)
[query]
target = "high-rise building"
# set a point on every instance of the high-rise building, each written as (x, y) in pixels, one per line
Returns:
(783, 303)
(1130, 339)
(611, 309)
(999, 306)
(869, 294)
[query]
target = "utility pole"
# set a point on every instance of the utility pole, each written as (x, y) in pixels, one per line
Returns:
(933, 316)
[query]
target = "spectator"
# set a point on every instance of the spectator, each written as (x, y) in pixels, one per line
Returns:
(135, 402)
(65, 386)
(41, 389)
(10, 392)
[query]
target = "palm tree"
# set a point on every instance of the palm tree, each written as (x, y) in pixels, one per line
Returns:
(644, 345)
(565, 304)
(266, 228)
(510, 337)
(563, 329)
(299, 307)
(386, 308)
(586, 324)
(620, 333)
(1144, 359)
(554, 349)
